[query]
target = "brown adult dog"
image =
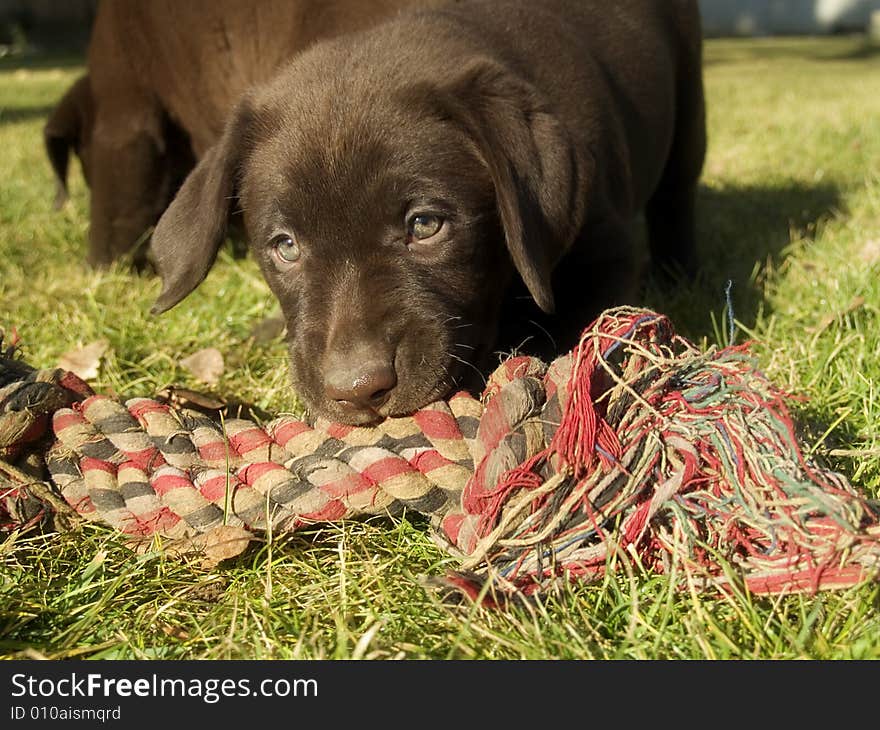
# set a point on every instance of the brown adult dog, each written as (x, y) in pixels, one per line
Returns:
(401, 184)
(162, 77)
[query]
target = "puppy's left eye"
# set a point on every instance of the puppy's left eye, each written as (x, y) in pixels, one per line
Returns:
(423, 226)
(285, 249)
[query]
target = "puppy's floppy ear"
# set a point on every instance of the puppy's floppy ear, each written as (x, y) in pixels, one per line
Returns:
(67, 127)
(531, 162)
(190, 232)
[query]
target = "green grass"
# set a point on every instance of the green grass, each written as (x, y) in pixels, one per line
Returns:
(789, 212)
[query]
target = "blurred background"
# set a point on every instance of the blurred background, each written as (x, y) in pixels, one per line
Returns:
(788, 17)
(63, 25)
(45, 26)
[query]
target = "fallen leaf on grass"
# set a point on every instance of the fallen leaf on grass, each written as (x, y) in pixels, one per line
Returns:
(175, 632)
(84, 361)
(870, 252)
(206, 365)
(188, 398)
(268, 329)
(222, 543)
(210, 548)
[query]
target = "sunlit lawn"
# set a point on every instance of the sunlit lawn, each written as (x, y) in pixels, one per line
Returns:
(789, 214)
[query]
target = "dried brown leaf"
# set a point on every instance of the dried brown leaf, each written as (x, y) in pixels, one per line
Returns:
(84, 361)
(210, 547)
(870, 251)
(221, 543)
(268, 329)
(188, 398)
(175, 632)
(206, 365)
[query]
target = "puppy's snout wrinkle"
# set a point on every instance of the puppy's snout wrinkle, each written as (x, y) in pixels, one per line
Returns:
(359, 384)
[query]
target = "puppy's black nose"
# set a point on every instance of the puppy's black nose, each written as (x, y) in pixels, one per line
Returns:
(364, 385)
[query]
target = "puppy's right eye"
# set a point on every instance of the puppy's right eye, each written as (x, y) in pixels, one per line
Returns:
(422, 227)
(285, 249)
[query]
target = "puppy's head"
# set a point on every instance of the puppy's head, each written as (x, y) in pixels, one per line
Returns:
(133, 158)
(69, 127)
(387, 217)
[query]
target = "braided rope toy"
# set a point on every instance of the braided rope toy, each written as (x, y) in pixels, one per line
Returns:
(634, 443)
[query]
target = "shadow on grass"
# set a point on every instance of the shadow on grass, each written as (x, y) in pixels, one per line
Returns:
(24, 113)
(844, 47)
(42, 60)
(838, 445)
(744, 232)
(862, 52)
(741, 231)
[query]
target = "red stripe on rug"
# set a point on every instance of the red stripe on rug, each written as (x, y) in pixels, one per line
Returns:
(146, 459)
(214, 451)
(427, 461)
(387, 469)
(437, 424)
(169, 482)
(283, 433)
(214, 490)
(354, 483)
(89, 464)
(339, 430)
(144, 406)
(65, 419)
(248, 440)
(252, 472)
(333, 510)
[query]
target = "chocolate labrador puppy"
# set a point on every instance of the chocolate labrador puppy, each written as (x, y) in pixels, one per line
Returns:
(410, 190)
(162, 77)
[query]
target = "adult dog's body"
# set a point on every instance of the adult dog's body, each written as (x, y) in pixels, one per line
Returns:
(409, 188)
(163, 76)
